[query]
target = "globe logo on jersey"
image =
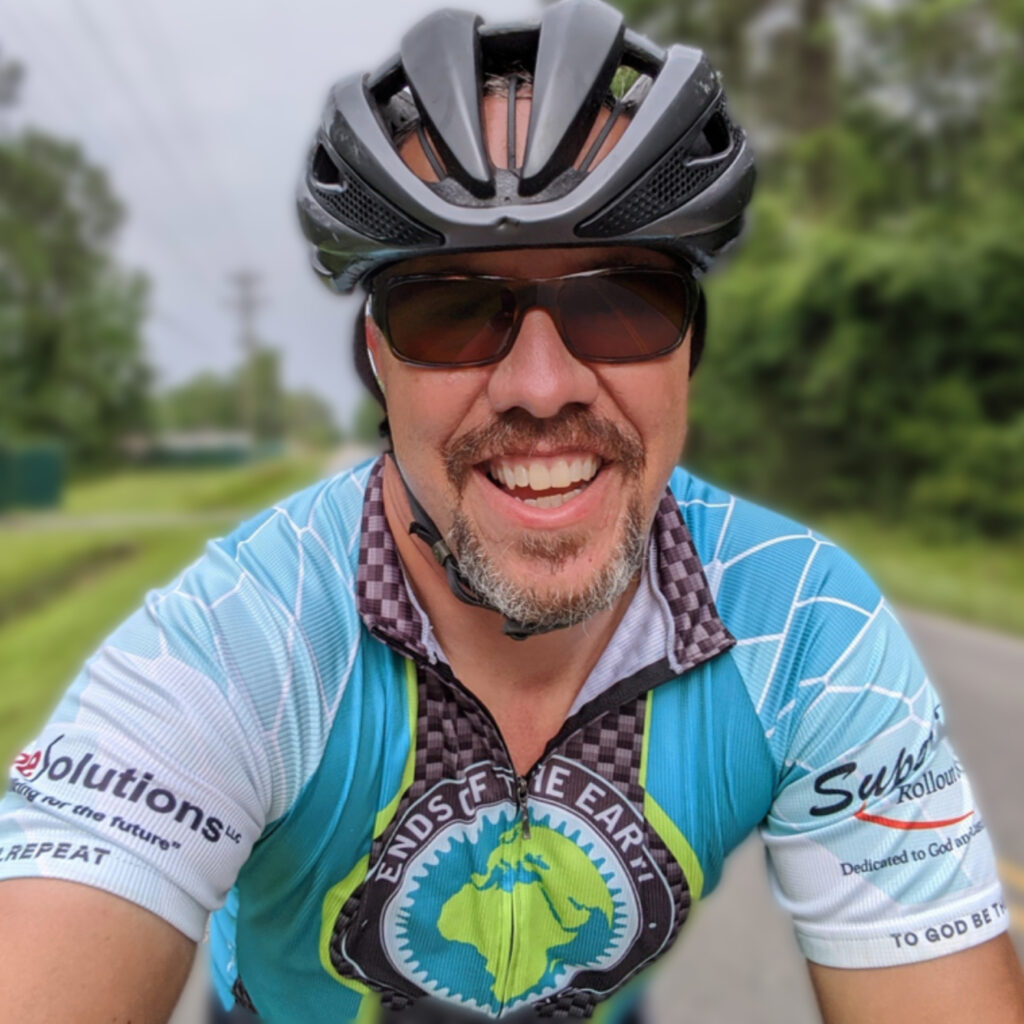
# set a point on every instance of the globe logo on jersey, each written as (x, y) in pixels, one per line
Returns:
(561, 897)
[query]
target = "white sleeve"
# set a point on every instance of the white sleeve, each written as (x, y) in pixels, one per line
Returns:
(876, 845)
(152, 779)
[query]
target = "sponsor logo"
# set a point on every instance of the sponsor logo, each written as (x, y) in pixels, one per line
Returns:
(877, 819)
(132, 785)
(467, 905)
(889, 780)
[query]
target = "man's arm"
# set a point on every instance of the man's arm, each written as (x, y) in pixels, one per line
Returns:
(75, 953)
(983, 983)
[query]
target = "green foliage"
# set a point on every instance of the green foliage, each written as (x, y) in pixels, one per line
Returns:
(864, 348)
(870, 371)
(368, 418)
(309, 420)
(71, 367)
(250, 399)
(205, 402)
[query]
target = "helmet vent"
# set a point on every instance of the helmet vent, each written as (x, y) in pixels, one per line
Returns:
(717, 133)
(324, 171)
(345, 196)
(684, 171)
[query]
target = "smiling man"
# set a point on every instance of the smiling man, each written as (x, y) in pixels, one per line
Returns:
(463, 734)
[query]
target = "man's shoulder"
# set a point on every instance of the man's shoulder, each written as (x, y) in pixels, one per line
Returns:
(292, 565)
(328, 511)
(767, 572)
(310, 535)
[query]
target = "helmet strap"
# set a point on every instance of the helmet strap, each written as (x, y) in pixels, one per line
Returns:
(423, 527)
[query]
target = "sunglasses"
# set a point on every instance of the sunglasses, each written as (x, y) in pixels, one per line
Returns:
(613, 315)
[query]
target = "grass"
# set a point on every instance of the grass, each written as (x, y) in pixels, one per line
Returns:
(973, 580)
(64, 585)
(34, 556)
(242, 488)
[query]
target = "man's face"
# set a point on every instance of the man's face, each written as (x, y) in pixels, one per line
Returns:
(543, 471)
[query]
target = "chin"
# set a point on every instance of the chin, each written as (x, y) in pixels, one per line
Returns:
(557, 581)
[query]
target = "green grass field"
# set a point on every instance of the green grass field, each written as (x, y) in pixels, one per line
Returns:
(66, 580)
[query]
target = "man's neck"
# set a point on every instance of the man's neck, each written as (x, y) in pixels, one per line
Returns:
(527, 685)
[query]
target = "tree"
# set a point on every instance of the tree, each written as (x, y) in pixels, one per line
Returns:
(250, 399)
(864, 346)
(71, 365)
(203, 403)
(309, 420)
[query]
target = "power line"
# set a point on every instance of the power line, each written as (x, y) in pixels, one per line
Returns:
(246, 303)
(153, 39)
(70, 97)
(181, 329)
(149, 125)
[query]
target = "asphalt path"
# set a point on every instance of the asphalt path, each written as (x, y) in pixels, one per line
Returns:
(737, 961)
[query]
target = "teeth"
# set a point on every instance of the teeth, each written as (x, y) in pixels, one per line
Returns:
(552, 500)
(540, 478)
(560, 474)
(544, 474)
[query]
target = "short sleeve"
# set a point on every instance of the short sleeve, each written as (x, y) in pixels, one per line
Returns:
(154, 777)
(876, 846)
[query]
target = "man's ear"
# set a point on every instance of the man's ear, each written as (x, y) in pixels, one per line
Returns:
(374, 340)
(366, 345)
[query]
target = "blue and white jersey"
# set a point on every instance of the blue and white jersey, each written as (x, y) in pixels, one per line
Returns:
(277, 739)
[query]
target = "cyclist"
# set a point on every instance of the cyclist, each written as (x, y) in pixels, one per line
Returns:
(463, 733)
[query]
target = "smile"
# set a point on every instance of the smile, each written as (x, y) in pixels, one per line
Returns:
(544, 482)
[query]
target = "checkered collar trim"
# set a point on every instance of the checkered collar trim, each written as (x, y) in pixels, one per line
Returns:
(391, 613)
(699, 633)
(383, 597)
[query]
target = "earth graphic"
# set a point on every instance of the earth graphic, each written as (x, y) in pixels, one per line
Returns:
(564, 913)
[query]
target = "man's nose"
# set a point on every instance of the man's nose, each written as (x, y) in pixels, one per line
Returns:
(540, 375)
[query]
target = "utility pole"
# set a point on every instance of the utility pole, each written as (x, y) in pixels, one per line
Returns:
(246, 302)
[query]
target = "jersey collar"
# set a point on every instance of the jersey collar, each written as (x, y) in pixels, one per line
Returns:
(674, 596)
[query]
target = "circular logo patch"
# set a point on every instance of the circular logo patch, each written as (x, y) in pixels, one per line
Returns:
(490, 919)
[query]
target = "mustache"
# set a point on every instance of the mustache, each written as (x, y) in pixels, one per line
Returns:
(516, 431)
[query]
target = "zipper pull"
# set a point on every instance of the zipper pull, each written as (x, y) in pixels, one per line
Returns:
(522, 792)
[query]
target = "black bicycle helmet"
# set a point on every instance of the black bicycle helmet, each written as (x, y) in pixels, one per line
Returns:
(677, 180)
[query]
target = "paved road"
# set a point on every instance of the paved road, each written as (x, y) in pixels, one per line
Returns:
(738, 961)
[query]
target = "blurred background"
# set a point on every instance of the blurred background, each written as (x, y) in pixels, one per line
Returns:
(168, 363)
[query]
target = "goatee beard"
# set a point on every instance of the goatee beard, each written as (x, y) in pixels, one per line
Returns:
(542, 610)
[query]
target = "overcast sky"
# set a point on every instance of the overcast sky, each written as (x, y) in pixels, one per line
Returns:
(201, 111)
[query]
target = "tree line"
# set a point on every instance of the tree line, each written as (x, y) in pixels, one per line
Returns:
(72, 362)
(865, 347)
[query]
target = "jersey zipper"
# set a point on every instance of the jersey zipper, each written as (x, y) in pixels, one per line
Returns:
(522, 797)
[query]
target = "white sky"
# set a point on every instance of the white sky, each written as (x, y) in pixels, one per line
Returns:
(201, 111)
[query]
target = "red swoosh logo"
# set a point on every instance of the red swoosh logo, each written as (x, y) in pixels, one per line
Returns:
(875, 819)
(27, 763)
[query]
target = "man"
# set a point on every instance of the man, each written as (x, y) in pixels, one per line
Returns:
(462, 734)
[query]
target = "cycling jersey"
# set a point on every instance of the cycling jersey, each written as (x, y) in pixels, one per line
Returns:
(277, 738)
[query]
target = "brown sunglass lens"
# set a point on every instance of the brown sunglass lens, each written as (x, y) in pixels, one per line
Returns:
(445, 322)
(624, 316)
